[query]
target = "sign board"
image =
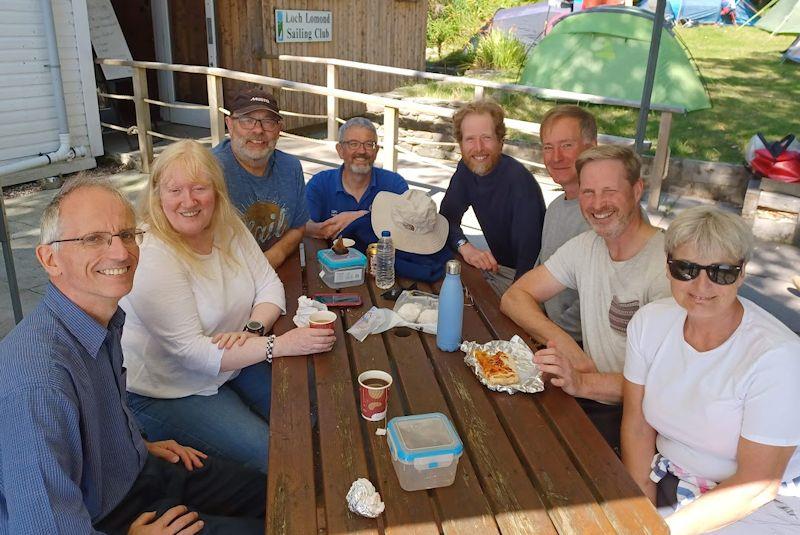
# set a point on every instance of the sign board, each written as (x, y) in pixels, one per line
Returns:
(300, 26)
(107, 38)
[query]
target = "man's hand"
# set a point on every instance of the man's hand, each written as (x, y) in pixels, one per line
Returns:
(175, 521)
(336, 224)
(478, 257)
(171, 451)
(564, 373)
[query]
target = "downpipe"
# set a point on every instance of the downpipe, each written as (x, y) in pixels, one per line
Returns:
(64, 153)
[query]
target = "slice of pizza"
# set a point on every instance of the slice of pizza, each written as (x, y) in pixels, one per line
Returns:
(497, 368)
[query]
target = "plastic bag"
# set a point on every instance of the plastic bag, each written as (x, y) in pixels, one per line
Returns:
(419, 310)
(378, 320)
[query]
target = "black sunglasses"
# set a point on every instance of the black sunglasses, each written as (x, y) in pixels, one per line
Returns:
(722, 274)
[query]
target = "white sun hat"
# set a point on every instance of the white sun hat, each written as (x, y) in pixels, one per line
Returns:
(412, 219)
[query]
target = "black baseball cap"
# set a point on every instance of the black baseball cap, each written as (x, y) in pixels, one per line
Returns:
(250, 99)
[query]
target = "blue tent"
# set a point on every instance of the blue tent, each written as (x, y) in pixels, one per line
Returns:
(710, 11)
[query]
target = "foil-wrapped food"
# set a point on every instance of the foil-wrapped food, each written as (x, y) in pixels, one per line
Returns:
(364, 499)
(510, 364)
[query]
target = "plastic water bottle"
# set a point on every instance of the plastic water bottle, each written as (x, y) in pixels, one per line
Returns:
(384, 271)
(451, 309)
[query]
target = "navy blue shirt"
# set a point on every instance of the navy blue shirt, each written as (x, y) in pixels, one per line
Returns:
(69, 447)
(509, 206)
(270, 204)
(326, 196)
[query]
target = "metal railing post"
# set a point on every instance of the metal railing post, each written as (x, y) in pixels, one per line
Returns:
(143, 124)
(391, 129)
(215, 101)
(660, 161)
(333, 103)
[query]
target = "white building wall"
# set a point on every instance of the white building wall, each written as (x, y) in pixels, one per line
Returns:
(28, 120)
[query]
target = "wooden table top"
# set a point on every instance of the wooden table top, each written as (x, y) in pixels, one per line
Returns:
(532, 463)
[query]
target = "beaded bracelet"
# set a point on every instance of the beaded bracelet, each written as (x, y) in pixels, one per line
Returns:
(270, 347)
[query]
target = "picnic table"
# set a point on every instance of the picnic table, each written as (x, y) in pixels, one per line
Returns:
(532, 463)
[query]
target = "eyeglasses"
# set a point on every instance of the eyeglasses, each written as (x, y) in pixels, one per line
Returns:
(248, 123)
(96, 240)
(722, 274)
(353, 145)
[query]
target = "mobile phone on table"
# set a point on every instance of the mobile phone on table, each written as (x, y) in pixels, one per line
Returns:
(338, 300)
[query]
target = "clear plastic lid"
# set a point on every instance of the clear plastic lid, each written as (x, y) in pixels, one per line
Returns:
(423, 435)
(353, 258)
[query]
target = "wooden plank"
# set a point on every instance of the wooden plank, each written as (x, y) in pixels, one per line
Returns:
(569, 500)
(391, 127)
(462, 507)
(340, 434)
(215, 101)
(517, 506)
(291, 493)
(332, 103)
(406, 512)
(628, 510)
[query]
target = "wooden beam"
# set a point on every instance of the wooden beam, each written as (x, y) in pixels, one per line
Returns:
(333, 103)
(391, 127)
(215, 102)
(143, 124)
(659, 167)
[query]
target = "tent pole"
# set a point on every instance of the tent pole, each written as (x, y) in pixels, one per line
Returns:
(650, 74)
(649, 78)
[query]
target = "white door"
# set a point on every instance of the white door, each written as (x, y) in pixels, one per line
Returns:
(185, 33)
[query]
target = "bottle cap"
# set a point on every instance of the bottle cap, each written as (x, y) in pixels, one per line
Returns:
(453, 267)
(385, 233)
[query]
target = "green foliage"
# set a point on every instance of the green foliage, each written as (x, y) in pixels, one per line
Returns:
(500, 51)
(452, 23)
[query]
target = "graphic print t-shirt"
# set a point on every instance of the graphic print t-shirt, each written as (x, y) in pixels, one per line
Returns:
(270, 204)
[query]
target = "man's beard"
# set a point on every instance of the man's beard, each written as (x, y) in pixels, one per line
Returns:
(252, 155)
(360, 169)
(482, 168)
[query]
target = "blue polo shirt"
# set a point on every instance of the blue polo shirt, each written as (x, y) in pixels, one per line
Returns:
(326, 196)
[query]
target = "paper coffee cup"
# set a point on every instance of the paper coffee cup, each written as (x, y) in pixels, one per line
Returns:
(374, 389)
(323, 319)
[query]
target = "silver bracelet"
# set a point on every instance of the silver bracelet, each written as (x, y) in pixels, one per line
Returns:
(270, 347)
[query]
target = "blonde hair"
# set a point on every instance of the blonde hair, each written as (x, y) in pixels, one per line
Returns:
(203, 167)
(709, 229)
(629, 159)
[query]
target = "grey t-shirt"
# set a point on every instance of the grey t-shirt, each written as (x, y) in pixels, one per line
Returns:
(562, 221)
(611, 292)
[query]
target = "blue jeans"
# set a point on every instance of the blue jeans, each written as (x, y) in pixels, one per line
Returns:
(233, 423)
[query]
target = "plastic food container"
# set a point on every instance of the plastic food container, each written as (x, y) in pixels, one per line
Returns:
(341, 270)
(425, 450)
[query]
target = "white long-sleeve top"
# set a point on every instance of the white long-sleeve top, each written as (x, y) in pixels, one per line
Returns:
(173, 311)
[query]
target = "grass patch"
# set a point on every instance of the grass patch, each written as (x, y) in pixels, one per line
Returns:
(751, 91)
(500, 51)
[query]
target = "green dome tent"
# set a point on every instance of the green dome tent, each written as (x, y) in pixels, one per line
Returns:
(784, 17)
(603, 51)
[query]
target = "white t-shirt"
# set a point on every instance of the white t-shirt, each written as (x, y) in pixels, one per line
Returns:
(173, 312)
(610, 292)
(700, 403)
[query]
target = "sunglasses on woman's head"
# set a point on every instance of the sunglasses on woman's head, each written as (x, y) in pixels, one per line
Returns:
(722, 274)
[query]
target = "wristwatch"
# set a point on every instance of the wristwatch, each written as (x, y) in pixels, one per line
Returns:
(462, 241)
(255, 326)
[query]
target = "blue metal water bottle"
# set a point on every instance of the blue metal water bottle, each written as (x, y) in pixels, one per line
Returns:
(451, 309)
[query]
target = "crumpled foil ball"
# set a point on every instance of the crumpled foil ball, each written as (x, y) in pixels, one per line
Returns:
(363, 499)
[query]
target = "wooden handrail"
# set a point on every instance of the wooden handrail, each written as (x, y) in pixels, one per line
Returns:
(552, 94)
(391, 106)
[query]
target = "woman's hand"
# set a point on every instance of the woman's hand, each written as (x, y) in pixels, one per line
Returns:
(304, 341)
(228, 340)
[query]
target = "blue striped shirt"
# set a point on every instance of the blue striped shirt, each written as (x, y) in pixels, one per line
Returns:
(69, 447)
